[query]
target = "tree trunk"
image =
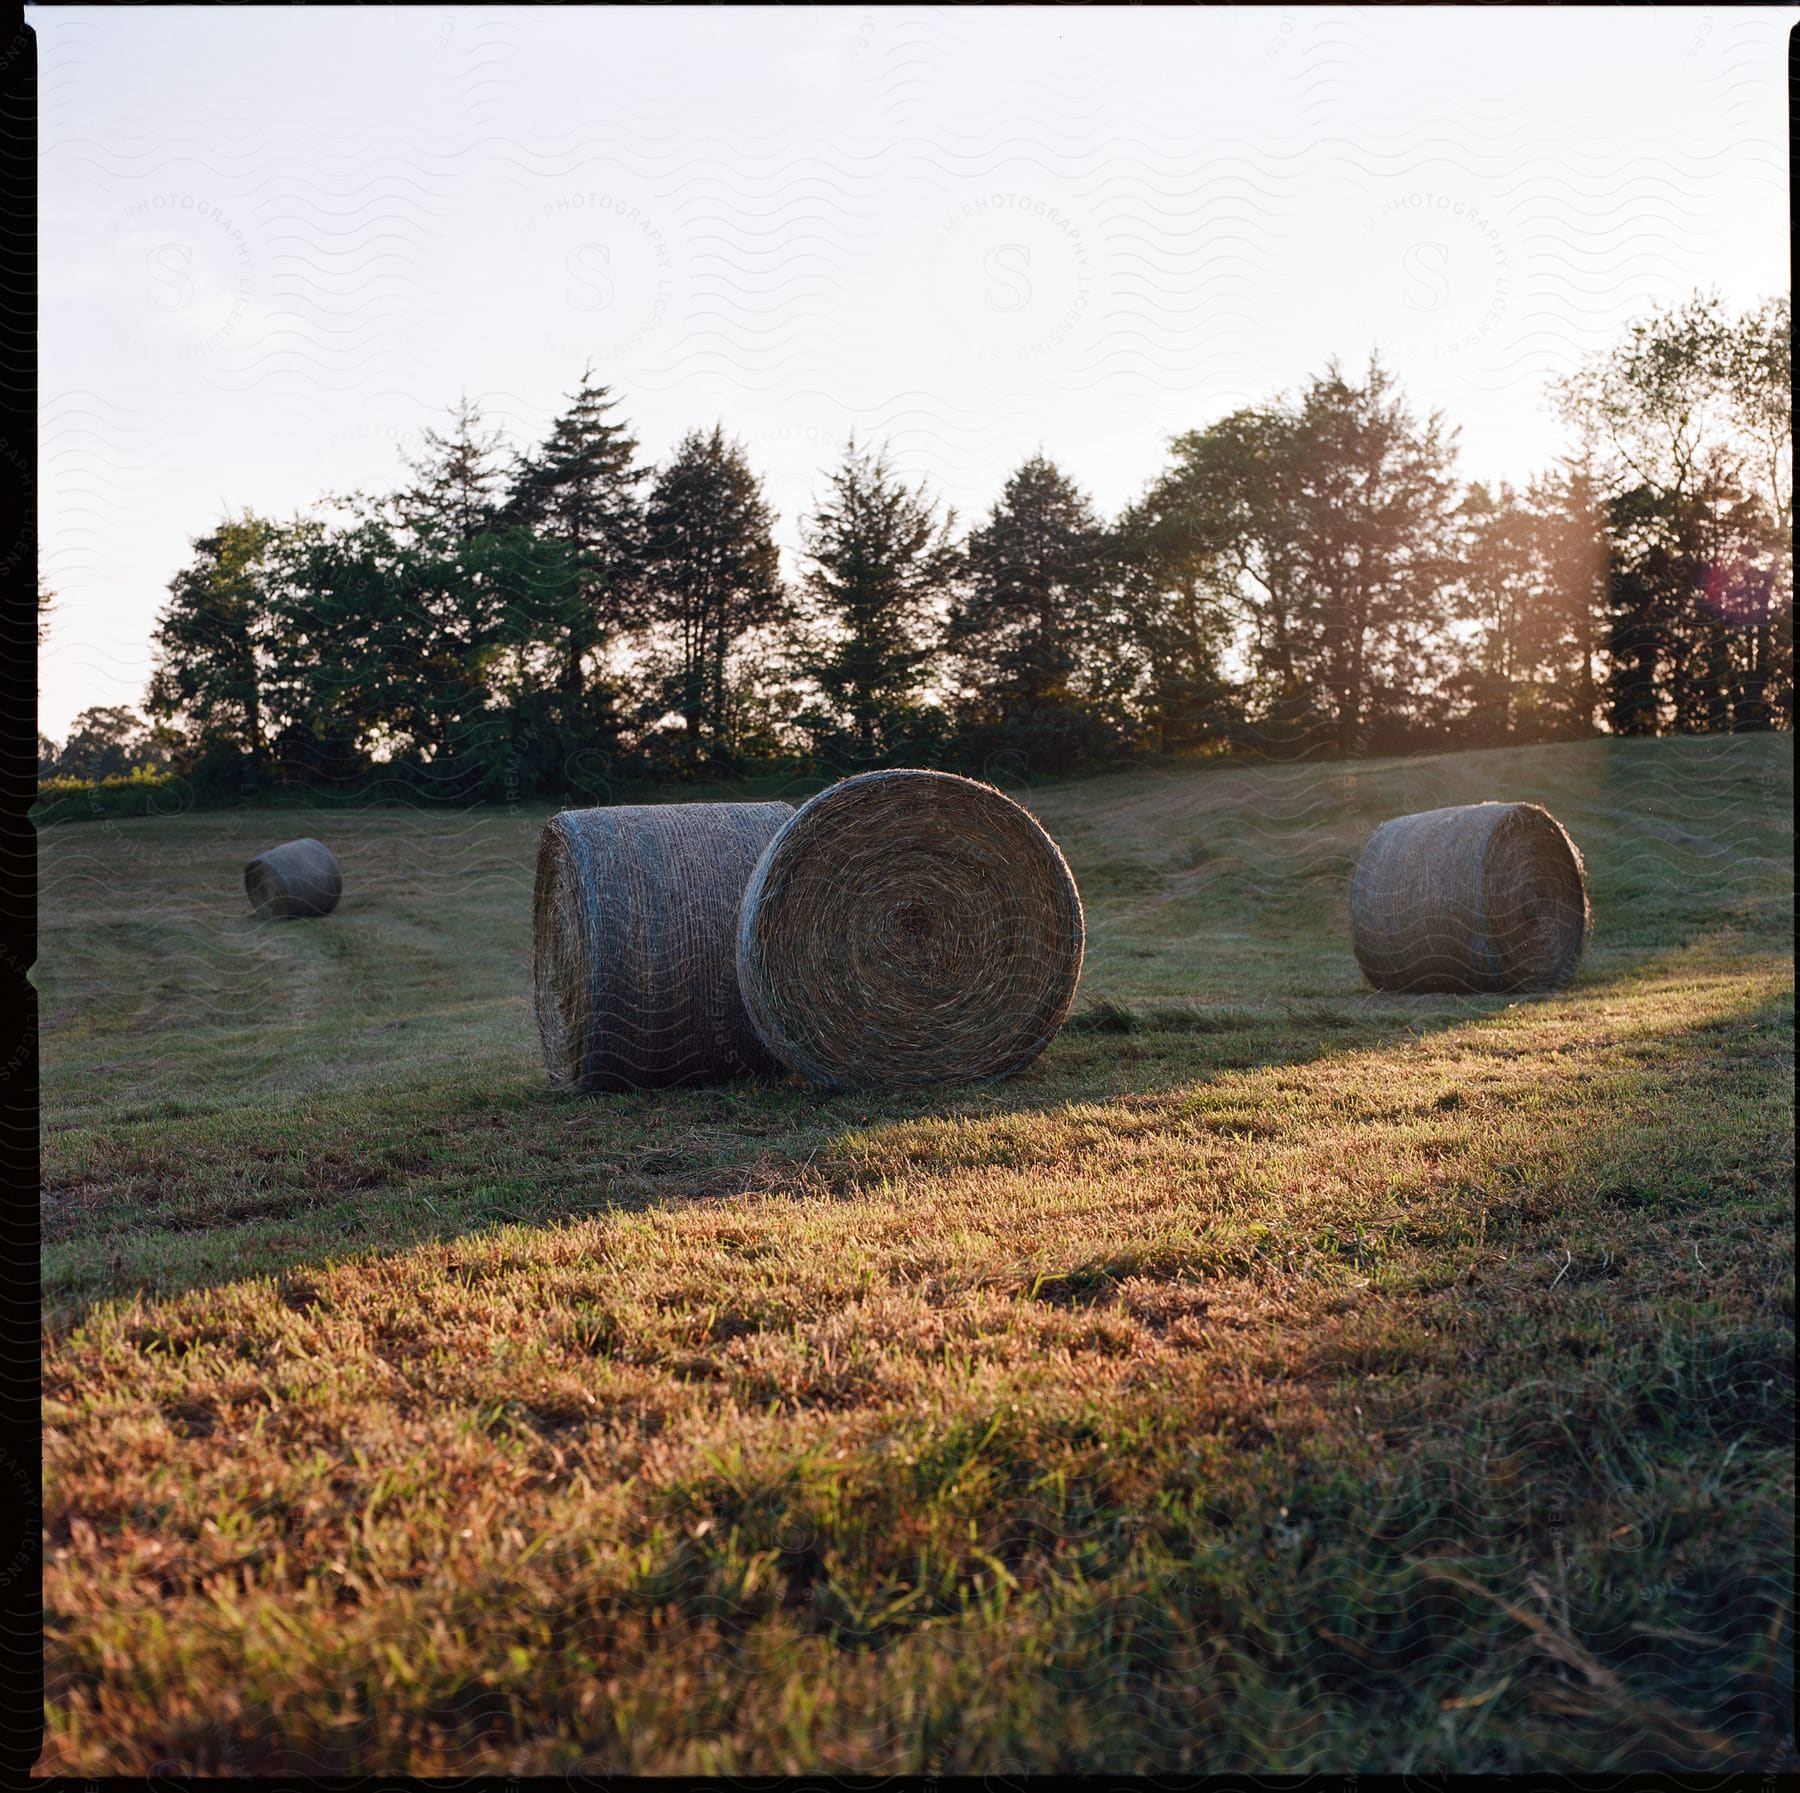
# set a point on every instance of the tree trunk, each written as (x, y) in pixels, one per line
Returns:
(253, 706)
(718, 730)
(693, 701)
(1590, 688)
(1752, 707)
(1350, 700)
(571, 672)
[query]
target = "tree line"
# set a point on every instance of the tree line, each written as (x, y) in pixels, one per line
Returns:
(1304, 575)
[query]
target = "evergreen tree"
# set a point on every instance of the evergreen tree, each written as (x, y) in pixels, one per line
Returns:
(1569, 548)
(450, 585)
(457, 479)
(545, 735)
(1739, 572)
(1533, 586)
(1651, 565)
(1496, 594)
(579, 491)
(880, 561)
(1700, 610)
(712, 577)
(1027, 640)
(1533, 589)
(1303, 569)
(1033, 592)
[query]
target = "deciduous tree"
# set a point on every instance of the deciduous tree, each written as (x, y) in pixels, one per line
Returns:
(211, 637)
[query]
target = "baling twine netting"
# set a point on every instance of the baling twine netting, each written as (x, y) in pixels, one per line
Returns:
(296, 880)
(633, 914)
(1485, 897)
(909, 928)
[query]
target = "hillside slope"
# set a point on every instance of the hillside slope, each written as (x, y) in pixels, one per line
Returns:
(1276, 1375)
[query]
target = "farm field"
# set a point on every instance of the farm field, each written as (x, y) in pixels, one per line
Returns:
(1275, 1376)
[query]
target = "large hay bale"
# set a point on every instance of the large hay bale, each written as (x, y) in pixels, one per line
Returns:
(909, 928)
(633, 916)
(1484, 897)
(297, 879)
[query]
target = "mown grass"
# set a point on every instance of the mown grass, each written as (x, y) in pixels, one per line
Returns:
(1276, 1376)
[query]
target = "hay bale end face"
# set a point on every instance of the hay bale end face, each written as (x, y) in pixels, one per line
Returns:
(1481, 898)
(633, 914)
(909, 928)
(294, 881)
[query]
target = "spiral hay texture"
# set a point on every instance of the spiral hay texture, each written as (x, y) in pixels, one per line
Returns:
(1486, 897)
(298, 879)
(632, 937)
(909, 928)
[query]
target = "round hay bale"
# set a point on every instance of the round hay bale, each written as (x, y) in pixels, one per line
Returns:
(909, 928)
(297, 879)
(1485, 897)
(632, 919)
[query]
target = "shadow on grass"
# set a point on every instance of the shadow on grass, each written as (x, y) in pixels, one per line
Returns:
(163, 1208)
(1523, 1540)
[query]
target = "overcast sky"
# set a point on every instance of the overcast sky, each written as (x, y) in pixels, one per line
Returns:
(277, 242)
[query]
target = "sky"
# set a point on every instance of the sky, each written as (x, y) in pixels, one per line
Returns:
(276, 243)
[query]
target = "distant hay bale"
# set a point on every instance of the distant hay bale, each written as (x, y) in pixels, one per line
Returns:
(633, 915)
(1485, 897)
(909, 928)
(297, 879)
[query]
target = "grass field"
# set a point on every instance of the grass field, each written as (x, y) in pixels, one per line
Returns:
(1275, 1376)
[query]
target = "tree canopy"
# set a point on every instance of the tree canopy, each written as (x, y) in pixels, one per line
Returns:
(1305, 574)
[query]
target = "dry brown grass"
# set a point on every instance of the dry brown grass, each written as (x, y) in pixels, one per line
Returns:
(1275, 1376)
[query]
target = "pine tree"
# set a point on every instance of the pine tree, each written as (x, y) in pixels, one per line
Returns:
(1033, 638)
(712, 576)
(579, 492)
(880, 562)
(1496, 595)
(1033, 592)
(457, 479)
(449, 574)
